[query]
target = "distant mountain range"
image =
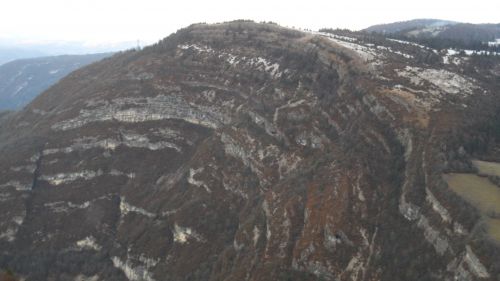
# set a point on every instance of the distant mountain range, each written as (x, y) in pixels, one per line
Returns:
(11, 49)
(11, 53)
(441, 33)
(402, 26)
(22, 80)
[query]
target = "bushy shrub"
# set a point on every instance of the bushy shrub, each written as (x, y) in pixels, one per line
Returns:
(8, 275)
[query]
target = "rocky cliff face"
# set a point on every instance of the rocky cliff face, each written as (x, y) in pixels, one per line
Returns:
(244, 151)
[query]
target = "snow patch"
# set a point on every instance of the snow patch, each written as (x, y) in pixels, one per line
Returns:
(198, 48)
(409, 43)
(265, 65)
(366, 53)
(494, 43)
(258, 62)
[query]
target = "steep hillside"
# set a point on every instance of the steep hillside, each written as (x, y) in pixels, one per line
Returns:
(22, 80)
(244, 151)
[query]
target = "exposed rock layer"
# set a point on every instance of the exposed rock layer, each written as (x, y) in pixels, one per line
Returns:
(241, 151)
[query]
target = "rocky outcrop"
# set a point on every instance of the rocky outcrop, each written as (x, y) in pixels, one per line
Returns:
(243, 151)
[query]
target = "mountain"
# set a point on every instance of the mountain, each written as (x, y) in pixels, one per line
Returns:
(246, 151)
(11, 49)
(439, 32)
(22, 80)
(9, 54)
(404, 26)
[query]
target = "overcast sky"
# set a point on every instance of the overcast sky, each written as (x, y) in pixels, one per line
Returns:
(111, 21)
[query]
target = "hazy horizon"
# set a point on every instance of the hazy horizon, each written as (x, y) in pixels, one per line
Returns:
(96, 22)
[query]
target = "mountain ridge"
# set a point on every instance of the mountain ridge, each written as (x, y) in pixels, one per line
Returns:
(439, 33)
(22, 80)
(245, 151)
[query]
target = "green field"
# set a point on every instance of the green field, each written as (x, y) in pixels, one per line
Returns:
(480, 192)
(487, 168)
(493, 228)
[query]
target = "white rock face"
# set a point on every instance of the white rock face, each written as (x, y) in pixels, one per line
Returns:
(83, 144)
(142, 141)
(27, 168)
(62, 178)
(191, 180)
(126, 208)
(231, 147)
(82, 277)
(128, 139)
(63, 207)
(5, 196)
(433, 236)
(17, 185)
(468, 266)
(267, 212)
(9, 235)
(436, 206)
(139, 273)
(135, 110)
(412, 212)
(88, 243)
(19, 219)
(262, 122)
(256, 235)
(444, 81)
(474, 264)
(376, 108)
(185, 234)
(355, 266)
(117, 173)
